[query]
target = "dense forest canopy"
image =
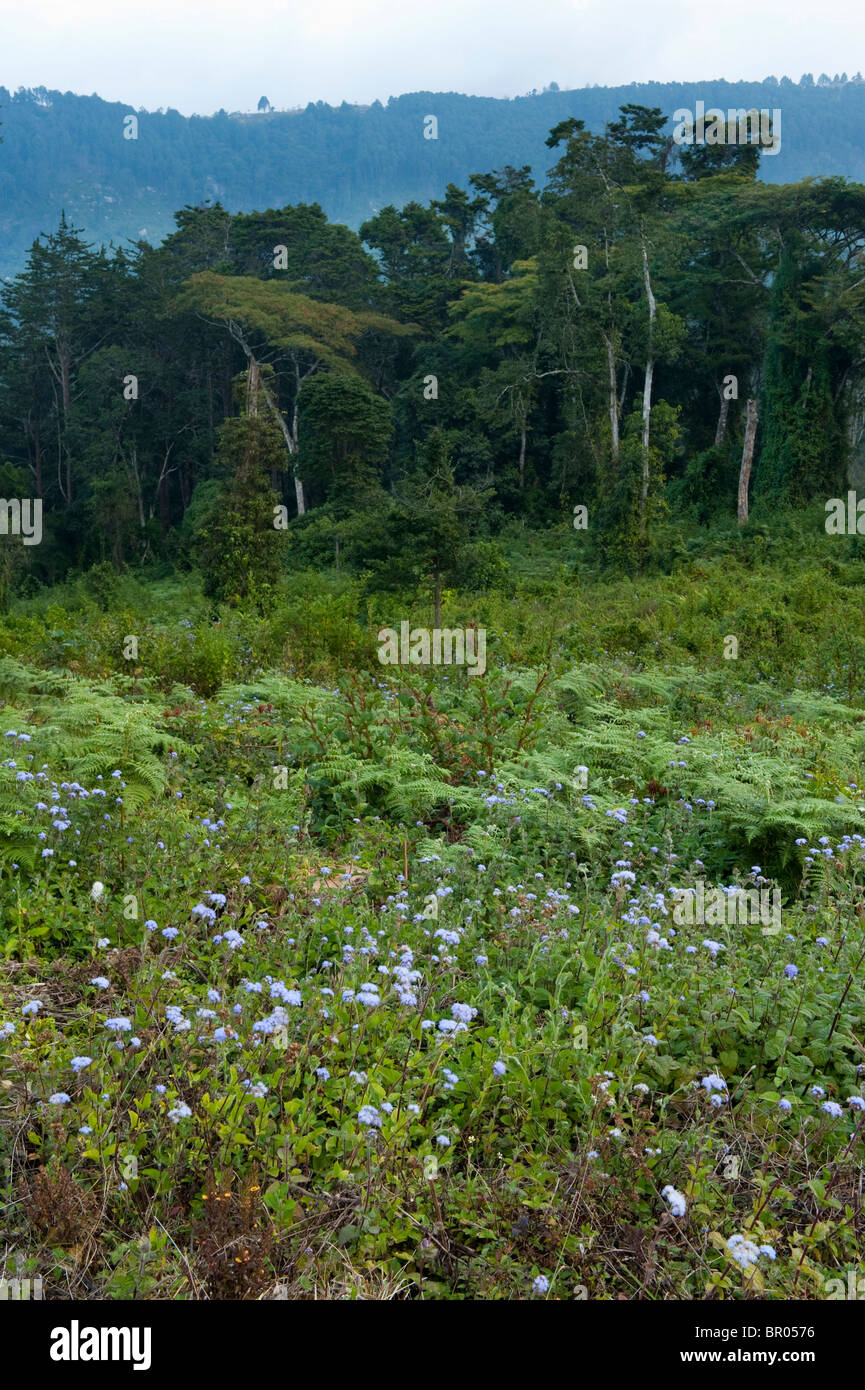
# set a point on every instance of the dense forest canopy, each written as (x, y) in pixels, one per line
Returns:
(503, 351)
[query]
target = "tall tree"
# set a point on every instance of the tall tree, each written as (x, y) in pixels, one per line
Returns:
(295, 334)
(47, 307)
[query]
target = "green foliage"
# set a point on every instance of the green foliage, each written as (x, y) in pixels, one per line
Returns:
(709, 477)
(618, 526)
(346, 431)
(520, 323)
(442, 814)
(432, 523)
(238, 545)
(412, 1004)
(803, 450)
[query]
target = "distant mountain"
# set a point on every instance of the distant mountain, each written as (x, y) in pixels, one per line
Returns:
(62, 151)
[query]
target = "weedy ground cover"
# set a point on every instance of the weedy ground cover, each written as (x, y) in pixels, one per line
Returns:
(326, 980)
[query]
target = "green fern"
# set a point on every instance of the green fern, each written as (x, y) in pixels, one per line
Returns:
(94, 732)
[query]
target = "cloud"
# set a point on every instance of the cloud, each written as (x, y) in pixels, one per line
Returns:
(200, 55)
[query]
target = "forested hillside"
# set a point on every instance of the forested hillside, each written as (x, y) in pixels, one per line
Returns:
(593, 343)
(65, 151)
(515, 955)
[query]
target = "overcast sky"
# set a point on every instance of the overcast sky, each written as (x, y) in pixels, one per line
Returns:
(200, 55)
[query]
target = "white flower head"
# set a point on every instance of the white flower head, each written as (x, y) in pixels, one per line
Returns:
(678, 1205)
(744, 1252)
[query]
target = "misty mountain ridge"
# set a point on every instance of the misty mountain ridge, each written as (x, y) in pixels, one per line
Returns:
(64, 151)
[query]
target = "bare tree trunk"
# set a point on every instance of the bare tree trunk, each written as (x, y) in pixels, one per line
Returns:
(747, 458)
(647, 418)
(290, 436)
(65, 378)
(438, 597)
(132, 473)
(63, 492)
(614, 403)
(163, 499)
(298, 495)
(721, 428)
(290, 444)
(647, 396)
(298, 485)
(523, 456)
(253, 376)
(626, 374)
